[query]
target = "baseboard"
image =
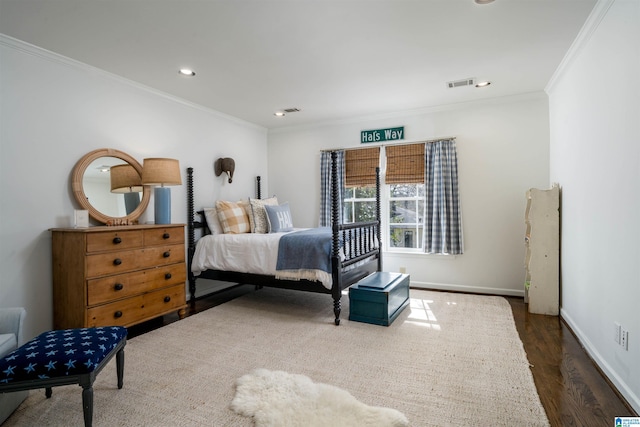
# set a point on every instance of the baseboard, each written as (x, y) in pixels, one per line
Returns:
(468, 289)
(632, 399)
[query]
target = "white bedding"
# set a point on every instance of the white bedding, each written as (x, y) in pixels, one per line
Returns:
(248, 253)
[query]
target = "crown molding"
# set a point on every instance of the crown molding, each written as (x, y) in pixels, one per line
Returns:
(586, 32)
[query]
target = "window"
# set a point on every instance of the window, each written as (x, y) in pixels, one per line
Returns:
(406, 215)
(404, 225)
(360, 181)
(420, 202)
(360, 204)
(405, 197)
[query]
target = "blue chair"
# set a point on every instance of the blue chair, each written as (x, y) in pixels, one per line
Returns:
(11, 330)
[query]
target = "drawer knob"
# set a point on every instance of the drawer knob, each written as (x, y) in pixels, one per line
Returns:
(167, 276)
(167, 254)
(117, 240)
(117, 261)
(117, 314)
(166, 236)
(167, 299)
(118, 286)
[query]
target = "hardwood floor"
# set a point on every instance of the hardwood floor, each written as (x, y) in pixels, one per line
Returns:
(572, 389)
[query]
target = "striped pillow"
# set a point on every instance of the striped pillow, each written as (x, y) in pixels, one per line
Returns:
(233, 217)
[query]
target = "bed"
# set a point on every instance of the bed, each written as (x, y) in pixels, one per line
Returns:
(344, 254)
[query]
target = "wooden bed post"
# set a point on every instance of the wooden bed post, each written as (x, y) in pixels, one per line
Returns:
(258, 188)
(190, 236)
(378, 218)
(336, 289)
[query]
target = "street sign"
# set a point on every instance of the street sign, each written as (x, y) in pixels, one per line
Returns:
(379, 135)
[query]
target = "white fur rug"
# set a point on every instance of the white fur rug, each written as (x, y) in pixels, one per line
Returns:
(277, 398)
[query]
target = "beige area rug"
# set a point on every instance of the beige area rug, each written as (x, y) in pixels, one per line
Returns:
(451, 359)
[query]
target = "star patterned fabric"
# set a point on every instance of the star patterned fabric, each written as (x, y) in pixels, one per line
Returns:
(60, 353)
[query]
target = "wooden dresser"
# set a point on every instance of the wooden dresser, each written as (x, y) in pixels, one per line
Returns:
(117, 275)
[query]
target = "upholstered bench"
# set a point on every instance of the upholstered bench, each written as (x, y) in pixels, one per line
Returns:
(63, 357)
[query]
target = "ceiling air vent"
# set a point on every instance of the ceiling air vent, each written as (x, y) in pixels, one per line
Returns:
(459, 83)
(291, 110)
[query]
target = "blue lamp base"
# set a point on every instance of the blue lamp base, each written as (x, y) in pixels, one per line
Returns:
(131, 201)
(162, 205)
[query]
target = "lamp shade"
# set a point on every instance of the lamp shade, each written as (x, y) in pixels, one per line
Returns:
(162, 172)
(125, 179)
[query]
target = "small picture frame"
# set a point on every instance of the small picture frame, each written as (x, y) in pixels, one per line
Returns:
(81, 218)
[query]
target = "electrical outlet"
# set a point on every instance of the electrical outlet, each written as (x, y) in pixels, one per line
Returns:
(624, 338)
(403, 270)
(616, 333)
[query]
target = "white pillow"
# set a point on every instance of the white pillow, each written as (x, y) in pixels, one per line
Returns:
(211, 216)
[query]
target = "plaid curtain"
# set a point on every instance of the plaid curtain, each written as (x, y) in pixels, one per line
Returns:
(325, 186)
(443, 222)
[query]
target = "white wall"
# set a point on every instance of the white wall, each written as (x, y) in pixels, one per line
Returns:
(55, 110)
(595, 156)
(503, 150)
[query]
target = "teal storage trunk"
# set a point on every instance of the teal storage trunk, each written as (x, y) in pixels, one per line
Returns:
(379, 298)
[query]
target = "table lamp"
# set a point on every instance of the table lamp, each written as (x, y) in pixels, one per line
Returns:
(161, 173)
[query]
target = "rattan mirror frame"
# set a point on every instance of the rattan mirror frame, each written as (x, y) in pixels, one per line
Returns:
(81, 197)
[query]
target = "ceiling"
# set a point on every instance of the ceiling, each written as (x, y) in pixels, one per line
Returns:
(332, 59)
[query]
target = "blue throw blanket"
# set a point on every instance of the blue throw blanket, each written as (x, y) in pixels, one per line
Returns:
(305, 250)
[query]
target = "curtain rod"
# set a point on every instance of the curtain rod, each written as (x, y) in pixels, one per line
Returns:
(385, 145)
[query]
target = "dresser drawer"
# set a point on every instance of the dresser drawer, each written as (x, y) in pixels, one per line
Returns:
(123, 261)
(165, 300)
(114, 240)
(138, 308)
(164, 236)
(111, 288)
(120, 313)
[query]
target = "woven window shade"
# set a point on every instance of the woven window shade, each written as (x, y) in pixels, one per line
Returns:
(360, 166)
(405, 164)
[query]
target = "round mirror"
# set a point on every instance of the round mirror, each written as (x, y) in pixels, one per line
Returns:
(107, 183)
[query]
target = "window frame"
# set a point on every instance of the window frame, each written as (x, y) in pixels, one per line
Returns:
(418, 226)
(350, 200)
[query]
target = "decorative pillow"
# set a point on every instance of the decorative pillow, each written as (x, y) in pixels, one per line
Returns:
(279, 218)
(233, 216)
(211, 217)
(258, 216)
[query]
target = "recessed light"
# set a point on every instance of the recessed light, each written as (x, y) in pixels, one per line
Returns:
(483, 84)
(483, 1)
(278, 114)
(187, 72)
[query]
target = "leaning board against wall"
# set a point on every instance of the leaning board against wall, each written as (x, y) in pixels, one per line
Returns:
(542, 259)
